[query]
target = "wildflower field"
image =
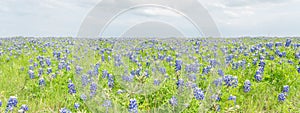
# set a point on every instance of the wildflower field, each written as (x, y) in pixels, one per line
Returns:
(121, 75)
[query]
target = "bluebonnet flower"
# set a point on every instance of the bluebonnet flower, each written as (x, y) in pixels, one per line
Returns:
(71, 87)
(49, 70)
(93, 89)
(178, 64)
(173, 101)
(104, 73)
(78, 70)
(232, 98)
(12, 102)
(262, 63)
(107, 103)
(272, 58)
(146, 73)
(192, 77)
(218, 82)
(169, 58)
(48, 61)
(247, 86)
(68, 68)
(258, 77)
(76, 105)
(41, 71)
(162, 70)
(120, 91)
(0, 103)
(31, 68)
(84, 80)
(298, 69)
(254, 61)
(53, 75)
(206, 70)
(24, 108)
(103, 58)
(230, 80)
(133, 106)
(220, 72)
(278, 44)
(198, 94)
(281, 97)
(285, 89)
(180, 83)
(297, 55)
(288, 43)
(269, 45)
(42, 82)
(83, 97)
(64, 110)
(31, 74)
(216, 97)
(110, 81)
(147, 63)
(156, 82)
(60, 66)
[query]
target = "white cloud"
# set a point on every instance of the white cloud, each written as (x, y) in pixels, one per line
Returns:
(233, 17)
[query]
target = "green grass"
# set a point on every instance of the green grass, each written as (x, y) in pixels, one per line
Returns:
(263, 97)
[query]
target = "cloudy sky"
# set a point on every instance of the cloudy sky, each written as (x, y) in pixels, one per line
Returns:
(233, 18)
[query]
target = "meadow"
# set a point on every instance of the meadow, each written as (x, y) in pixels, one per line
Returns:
(121, 75)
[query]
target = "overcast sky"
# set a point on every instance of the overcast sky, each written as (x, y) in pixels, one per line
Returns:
(233, 17)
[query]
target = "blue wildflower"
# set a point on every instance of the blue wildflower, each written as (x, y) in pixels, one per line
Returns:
(156, 82)
(220, 72)
(42, 82)
(218, 82)
(107, 103)
(84, 80)
(288, 43)
(93, 89)
(198, 94)
(76, 105)
(110, 81)
(281, 97)
(247, 86)
(285, 89)
(24, 107)
(12, 102)
(178, 64)
(258, 77)
(232, 98)
(180, 83)
(64, 110)
(71, 87)
(173, 101)
(133, 106)
(31, 74)
(83, 97)
(49, 70)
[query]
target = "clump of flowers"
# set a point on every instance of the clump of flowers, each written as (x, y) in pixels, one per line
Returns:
(198, 94)
(71, 87)
(23, 108)
(173, 101)
(76, 105)
(233, 98)
(230, 80)
(133, 106)
(247, 86)
(64, 110)
(42, 82)
(12, 102)
(281, 97)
